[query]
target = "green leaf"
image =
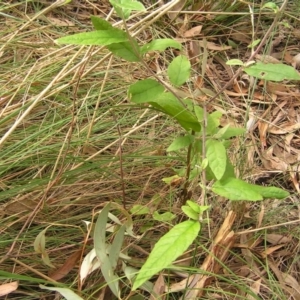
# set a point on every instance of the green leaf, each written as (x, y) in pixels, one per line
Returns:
(170, 105)
(170, 180)
(254, 43)
(229, 171)
(217, 157)
(190, 212)
(123, 8)
(100, 24)
(213, 122)
(5, 275)
(274, 72)
(270, 192)
(199, 113)
(128, 4)
(100, 37)
(180, 142)
(167, 249)
(145, 91)
(228, 132)
(179, 70)
(164, 217)
(194, 206)
(236, 189)
(160, 45)
(100, 248)
(204, 163)
(234, 62)
(221, 132)
(140, 210)
(67, 293)
(213, 119)
(126, 50)
(272, 6)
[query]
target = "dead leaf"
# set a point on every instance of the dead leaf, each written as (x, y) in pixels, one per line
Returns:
(240, 88)
(291, 281)
(270, 250)
(296, 61)
(20, 205)
(60, 22)
(260, 216)
(176, 9)
(274, 87)
(194, 52)
(65, 269)
(267, 59)
(241, 37)
(271, 162)
(255, 288)
(296, 33)
(8, 288)
(288, 57)
(275, 239)
(193, 31)
(294, 175)
(285, 156)
(285, 281)
(284, 128)
(213, 46)
(158, 292)
(263, 129)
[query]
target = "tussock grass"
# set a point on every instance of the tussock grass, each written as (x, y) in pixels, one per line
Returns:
(64, 115)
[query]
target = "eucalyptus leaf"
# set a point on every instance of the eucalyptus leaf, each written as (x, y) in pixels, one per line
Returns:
(116, 246)
(40, 247)
(100, 248)
(65, 292)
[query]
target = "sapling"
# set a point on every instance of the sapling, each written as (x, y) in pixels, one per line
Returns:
(205, 141)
